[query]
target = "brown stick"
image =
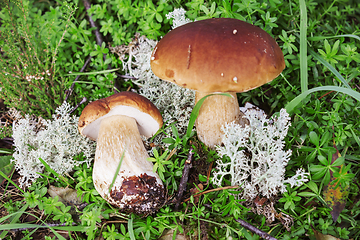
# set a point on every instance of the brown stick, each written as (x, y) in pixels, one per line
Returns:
(250, 227)
(98, 36)
(211, 190)
(255, 230)
(184, 178)
(77, 105)
(99, 41)
(70, 90)
(325, 95)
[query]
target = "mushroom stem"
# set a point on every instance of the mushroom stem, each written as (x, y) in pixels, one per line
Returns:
(136, 188)
(215, 111)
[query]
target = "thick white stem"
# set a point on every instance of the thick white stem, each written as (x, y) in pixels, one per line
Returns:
(215, 111)
(136, 188)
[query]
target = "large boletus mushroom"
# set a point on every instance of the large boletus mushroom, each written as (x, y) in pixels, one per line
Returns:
(217, 55)
(116, 123)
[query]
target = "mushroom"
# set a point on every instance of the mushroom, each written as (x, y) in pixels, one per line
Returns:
(116, 123)
(217, 55)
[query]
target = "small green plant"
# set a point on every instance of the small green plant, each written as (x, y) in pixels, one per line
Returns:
(160, 162)
(324, 170)
(29, 74)
(289, 200)
(85, 187)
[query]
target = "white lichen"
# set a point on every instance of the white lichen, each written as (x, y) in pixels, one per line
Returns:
(178, 16)
(175, 103)
(55, 141)
(253, 156)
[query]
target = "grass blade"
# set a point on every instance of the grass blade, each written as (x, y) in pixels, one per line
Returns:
(5, 151)
(7, 178)
(292, 105)
(92, 73)
(117, 169)
(316, 38)
(16, 218)
(303, 47)
(131, 227)
(49, 169)
(195, 112)
(30, 225)
(331, 68)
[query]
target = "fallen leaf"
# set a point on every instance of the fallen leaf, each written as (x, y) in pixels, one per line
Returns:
(196, 190)
(320, 236)
(335, 195)
(168, 235)
(66, 195)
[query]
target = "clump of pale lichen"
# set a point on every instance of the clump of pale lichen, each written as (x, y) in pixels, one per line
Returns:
(253, 157)
(55, 141)
(178, 17)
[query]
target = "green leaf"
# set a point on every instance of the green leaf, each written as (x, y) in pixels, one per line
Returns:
(307, 194)
(320, 172)
(168, 140)
(5, 151)
(323, 160)
(335, 48)
(339, 161)
(158, 17)
(325, 138)
(204, 9)
(314, 139)
(327, 46)
(312, 186)
(326, 178)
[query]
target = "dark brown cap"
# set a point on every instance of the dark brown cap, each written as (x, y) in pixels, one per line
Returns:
(147, 116)
(218, 55)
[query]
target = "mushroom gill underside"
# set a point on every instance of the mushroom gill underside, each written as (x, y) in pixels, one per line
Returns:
(136, 188)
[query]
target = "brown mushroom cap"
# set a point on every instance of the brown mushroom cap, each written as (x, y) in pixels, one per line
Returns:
(218, 55)
(147, 116)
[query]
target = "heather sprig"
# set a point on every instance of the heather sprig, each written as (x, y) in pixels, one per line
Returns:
(29, 46)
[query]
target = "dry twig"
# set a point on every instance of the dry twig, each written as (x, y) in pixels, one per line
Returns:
(184, 178)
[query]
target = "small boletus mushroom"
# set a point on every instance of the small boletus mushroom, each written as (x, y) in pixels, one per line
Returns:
(116, 123)
(217, 55)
